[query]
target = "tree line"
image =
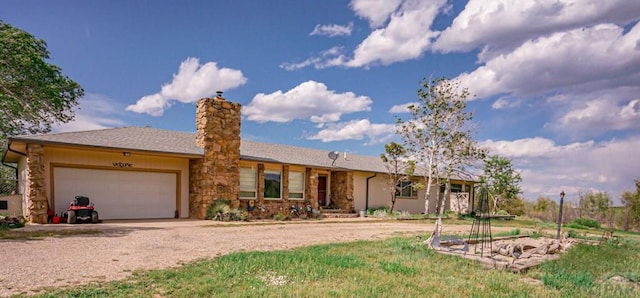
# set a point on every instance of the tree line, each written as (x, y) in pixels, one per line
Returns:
(438, 145)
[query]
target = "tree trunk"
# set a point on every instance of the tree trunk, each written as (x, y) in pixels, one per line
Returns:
(437, 229)
(430, 181)
(443, 201)
(393, 203)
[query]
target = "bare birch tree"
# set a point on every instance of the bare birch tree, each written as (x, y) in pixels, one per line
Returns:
(438, 137)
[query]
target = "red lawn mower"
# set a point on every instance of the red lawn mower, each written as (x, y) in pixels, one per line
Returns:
(81, 210)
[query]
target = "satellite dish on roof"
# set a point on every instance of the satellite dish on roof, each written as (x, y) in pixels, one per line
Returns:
(333, 155)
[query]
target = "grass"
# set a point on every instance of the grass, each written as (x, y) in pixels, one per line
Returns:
(395, 267)
(10, 234)
(514, 232)
(587, 270)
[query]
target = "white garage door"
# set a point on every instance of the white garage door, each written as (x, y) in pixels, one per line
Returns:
(118, 194)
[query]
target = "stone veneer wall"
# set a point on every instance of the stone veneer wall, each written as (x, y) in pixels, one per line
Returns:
(284, 184)
(268, 208)
(217, 175)
(342, 190)
(311, 187)
(35, 189)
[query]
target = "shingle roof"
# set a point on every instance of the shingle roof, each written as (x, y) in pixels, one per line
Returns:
(128, 138)
(166, 141)
(258, 151)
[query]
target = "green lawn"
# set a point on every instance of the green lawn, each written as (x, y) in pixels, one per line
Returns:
(398, 267)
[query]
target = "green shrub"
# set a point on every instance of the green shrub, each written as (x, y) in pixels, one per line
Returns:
(221, 210)
(515, 206)
(282, 215)
(403, 215)
(587, 222)
(7, 222)
(576, 226)
(238, 215)
(536, 234)
(381, 213)
(379, 210)
(218, 208)
(502, 212)
(573, 234)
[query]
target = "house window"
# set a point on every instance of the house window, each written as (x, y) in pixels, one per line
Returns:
(296, 185)
(405, 189)
(247, 183)
(272, 184)
(455, 188)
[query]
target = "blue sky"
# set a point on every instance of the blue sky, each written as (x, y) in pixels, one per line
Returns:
(556, 83)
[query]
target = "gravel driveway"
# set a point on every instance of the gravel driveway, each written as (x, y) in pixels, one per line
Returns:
(29, 265)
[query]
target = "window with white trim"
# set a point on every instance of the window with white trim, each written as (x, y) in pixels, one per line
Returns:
(405, 189)
(296, 185)
(247, 183)
(455, 188)
(272, 184)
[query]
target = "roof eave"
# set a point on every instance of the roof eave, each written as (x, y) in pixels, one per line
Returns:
(105, 148)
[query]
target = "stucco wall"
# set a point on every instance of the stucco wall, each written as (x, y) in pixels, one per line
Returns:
(138, 161)
(22, 184)
(379, 195)
(14, 205)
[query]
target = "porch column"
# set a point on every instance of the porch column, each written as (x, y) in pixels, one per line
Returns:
(285, 185)
(342, 190)
(311, 187)
(36, 189)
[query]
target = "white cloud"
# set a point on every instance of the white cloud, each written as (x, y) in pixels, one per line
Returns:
(547, 167)
(317, 62)
(406, 36)
(193, 81)
(310, 100)
(94, 111)
(529, 147)
(376, 12)
(402, 108)
(522, 20)
(505, 103)
(569, 59)
(598, 116)
(332, 30)
(355, 130)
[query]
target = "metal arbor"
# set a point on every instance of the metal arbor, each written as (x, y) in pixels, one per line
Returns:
(480, 233)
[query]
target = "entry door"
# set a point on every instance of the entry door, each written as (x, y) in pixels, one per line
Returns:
(322, 191)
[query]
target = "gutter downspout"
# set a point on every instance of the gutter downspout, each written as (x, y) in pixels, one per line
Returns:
(8, 165)
(366, 200)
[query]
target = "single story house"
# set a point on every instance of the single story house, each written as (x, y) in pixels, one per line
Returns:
(145, 173)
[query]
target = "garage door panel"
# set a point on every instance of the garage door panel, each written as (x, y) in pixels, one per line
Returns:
(118, 194)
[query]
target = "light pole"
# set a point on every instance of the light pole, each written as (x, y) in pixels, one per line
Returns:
(560, 214)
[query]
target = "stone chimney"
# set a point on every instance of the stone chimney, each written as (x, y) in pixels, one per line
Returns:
(217, 174)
